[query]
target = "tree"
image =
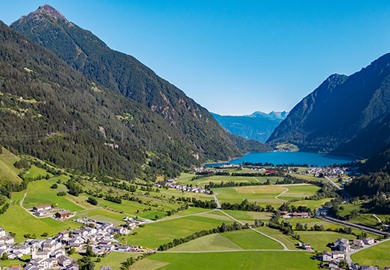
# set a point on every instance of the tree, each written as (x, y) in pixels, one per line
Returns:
(92, 201)
(299, 227)
(89, 252)
(5, 256)
(54, 186)
(126, 264)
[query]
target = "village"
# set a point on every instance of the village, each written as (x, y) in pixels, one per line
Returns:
(99, 237)
(195, 189)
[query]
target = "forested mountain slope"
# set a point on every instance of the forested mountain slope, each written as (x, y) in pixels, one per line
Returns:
(345, 114)
(51, 111)
(124, 74)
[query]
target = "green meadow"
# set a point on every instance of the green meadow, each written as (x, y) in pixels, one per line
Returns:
(19, 221)
(319, 240)
(261, 194)
(35, 172)
(377, 255)
(298, 192)
(235, 240)
(39, 193)
(187, 179)
(154, 234)
(228, 260)
(8, 172)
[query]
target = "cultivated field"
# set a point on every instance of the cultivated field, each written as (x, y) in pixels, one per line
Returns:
(154, 234)
(228, 260)
(274, 195)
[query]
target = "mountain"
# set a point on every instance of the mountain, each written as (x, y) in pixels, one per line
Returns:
(345, 114)
(257, 126)
(51, 111)
(123, 74)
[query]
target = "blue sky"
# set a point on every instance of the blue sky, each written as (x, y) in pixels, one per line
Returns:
(235, 57)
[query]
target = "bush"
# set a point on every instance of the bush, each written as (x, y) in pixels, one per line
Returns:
(54, 186)
(92, 201)
(61, 193)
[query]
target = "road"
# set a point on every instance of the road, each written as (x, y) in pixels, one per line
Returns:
(216, 201)
(348, 254)
(323, 213)
(344, 194)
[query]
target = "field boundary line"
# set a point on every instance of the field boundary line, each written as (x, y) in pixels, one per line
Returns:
(285, 248)
(232, 250)
(277, 196)
(189, 215)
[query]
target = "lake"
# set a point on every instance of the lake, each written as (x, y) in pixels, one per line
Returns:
(280, 158)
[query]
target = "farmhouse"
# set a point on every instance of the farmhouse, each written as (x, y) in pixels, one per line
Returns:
(358, 242)
(369, 241)
(42, 208)
(63, 214)
(342, 245)
(300, 214)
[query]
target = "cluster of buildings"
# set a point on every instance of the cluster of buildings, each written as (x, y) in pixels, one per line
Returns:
(286, 214)
(51, 252)
(326, 171)
(340, 248)
(48, 210)
(194, 189)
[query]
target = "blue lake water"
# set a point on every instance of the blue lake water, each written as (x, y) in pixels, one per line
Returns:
(280, 158)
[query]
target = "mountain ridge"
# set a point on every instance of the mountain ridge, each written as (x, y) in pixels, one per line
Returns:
(258, 126)
(53, 112)
(338, 111)
(124, 74)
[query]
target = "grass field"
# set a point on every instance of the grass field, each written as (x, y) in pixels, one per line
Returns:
(307, 177)
(319, 240)
(186, 179)
(248, 239)
(228, 260)
(299, 192)
(157, 233)
(235, 240)
(312, 204)
(208, 243)
(274, 195)
(114, 259)
(8, 172)
(17, 220)
(285, 239)
(263, 195)
(35, 172)
(377, 255)
(246, 216)
(364, 219)
(40, 193)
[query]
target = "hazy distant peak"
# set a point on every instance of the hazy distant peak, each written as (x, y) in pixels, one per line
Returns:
(271, 115)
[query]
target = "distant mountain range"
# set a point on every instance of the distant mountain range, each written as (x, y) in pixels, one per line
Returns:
(257, 126)
(83, 106)
(344, 115)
